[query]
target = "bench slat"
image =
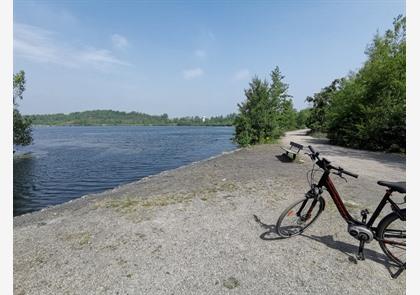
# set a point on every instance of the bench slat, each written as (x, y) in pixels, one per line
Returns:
(294, 144)
(291, 151)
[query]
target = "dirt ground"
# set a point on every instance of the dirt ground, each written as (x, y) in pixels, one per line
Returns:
(207, 228)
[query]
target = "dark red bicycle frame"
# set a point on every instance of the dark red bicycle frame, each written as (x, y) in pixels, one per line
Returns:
(326, 182)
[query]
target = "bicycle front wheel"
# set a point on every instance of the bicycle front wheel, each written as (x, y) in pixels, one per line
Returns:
(391, 236)
(298, 216)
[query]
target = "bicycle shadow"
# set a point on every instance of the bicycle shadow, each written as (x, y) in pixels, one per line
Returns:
(349, 250)
(270, 234)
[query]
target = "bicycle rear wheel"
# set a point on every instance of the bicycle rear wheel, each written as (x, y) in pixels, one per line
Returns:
(392, 237)
(298, 216)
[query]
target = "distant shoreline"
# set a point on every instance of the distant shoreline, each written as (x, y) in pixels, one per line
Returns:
(111, 125)
(116, 118)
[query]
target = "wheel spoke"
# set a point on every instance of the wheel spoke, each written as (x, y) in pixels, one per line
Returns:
(392, 237)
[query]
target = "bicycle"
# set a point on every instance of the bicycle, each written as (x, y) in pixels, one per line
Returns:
(390, 231)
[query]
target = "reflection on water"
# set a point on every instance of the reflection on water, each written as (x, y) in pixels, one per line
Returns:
(68, 162)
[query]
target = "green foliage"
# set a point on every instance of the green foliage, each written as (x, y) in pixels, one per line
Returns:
(266, 113)
(256, 122)
(109, 117)
(367, 108)
(18, 86)
(301, 118)
(278, 91)
(22, 131)
(317, 119)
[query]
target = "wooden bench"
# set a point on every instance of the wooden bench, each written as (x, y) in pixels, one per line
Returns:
(293, 150)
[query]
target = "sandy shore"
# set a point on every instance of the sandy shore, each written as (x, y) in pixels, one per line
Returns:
(194, 230)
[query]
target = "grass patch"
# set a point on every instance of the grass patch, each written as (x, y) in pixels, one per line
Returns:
(160, 201)
(231, 283)
(79, 239)
(124, 205)
(130, 204)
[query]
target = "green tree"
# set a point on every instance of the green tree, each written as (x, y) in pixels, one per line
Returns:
(317, 119)
(22, 131)
(368, 111)
(281, 101)
(266, 113)
(301, 118)
(257, 121)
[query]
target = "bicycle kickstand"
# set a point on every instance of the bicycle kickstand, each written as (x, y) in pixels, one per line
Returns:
(360, 254)
(399, 271)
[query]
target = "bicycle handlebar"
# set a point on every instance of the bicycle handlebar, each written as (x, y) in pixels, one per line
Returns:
(341, 170)
(311, 149)
(325, 164)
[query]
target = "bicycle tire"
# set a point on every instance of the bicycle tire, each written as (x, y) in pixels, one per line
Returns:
(385, 235)
(290, 231)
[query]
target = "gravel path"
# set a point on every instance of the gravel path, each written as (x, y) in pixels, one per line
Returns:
(207, 229)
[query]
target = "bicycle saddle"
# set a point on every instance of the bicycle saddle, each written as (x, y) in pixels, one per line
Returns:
(395, 186)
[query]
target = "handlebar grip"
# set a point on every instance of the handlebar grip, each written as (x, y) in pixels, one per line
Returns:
(349, 173)
(311, 149)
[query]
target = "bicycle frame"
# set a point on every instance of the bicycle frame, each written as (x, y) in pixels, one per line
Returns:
(363, 230)
(326, 182)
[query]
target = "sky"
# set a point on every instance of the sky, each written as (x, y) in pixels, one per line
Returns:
(185, 58)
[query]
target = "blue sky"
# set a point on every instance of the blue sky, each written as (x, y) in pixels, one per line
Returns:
(184, 57)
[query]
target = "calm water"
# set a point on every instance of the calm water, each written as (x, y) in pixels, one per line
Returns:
(68, 162)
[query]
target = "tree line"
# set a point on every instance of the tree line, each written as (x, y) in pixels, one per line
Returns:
(366, 109)
(110, 117)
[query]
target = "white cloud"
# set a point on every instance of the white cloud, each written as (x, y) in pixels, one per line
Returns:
(193, 73)
(200, 53)
(119, 41)
(100, 56)
(36, 44)
(40, 45)
(241, 75)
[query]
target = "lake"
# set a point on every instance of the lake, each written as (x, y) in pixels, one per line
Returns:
(65, 163)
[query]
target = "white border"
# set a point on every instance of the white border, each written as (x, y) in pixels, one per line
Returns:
(6, 146)
(413, 148)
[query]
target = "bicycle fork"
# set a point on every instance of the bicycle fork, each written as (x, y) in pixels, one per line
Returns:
(308, 214)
